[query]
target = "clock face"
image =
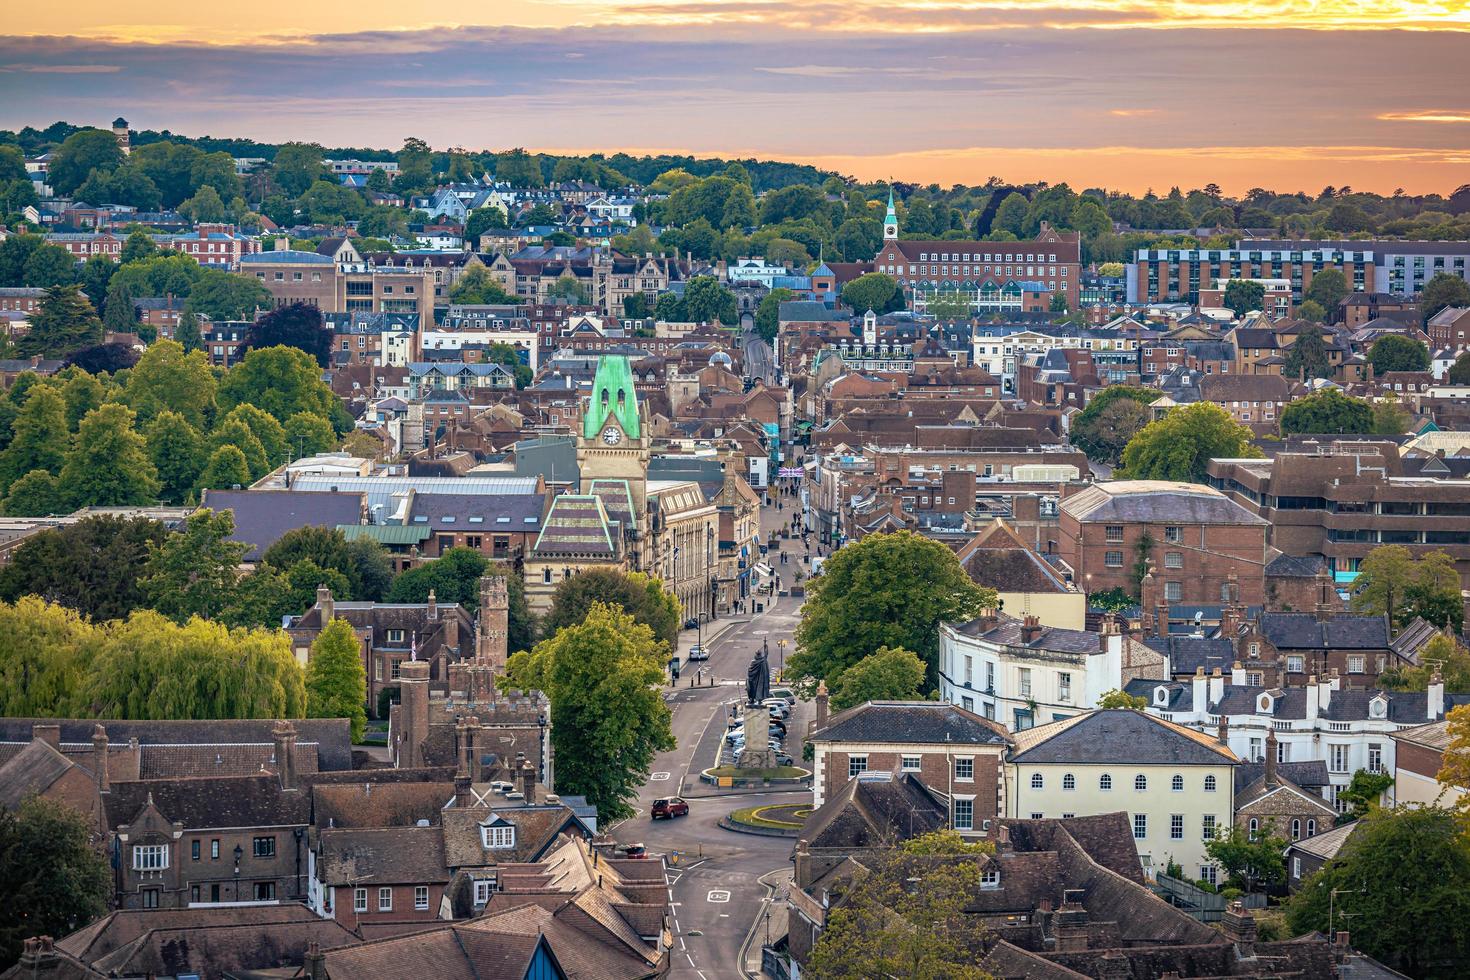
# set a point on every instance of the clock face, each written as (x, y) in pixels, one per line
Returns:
(612, 436)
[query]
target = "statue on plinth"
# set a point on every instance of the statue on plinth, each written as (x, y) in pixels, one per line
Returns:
(758, 679)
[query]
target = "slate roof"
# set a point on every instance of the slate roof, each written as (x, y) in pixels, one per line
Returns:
(911, 722)
(31, 770)
(503, 513)
(215, 801)
(219, 950)
(1008, 631)
(1156, 502)
(617, 501)
(1295, 566)
(262, 517)
(1326, 844)
(1344, 631)
(330, 736)
(1307, 775)
(1290, 704)
(391, 855)
(125, 926)
(1435, 735)
(285, 256)
(1188, 653)
(1118, 736)
(873, 811)
(374, 804)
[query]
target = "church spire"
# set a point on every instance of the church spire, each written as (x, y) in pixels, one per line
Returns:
(890, 220)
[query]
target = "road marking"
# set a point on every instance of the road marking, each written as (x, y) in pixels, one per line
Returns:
(719, 895)
(691, 867)
(724, 915)
(656, 777)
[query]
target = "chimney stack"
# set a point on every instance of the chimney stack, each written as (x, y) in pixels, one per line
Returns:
(1239, 927)
(1271, 750)
(315, 964)
(1217, 686)
(99, 758)
(1199, 690)
(48, 733)
(325, 604)
(1069, 923)
(822, 699)
(526, 778)
(1435, 699)
(284, 734)
(1222, 733)
(1030, 629)
(433, 612)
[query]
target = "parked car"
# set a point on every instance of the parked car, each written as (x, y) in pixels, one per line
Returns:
(691, 624)
(669, 809)
(698, 652)
(783, 693)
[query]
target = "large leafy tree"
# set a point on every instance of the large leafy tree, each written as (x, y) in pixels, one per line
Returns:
(1307, 357)
(455, 577)
(45, 650)
(876, 291)
(1401, 883)
(1396, 352)
(110, 466)
(1329, 287)
(1101, 430)
(603, 677)
(40, 440)
(308, 434)
(1179, 445)
(146, 667)
(297, 325)
(768, 314)
(888, 675)
(192, 572)
(886, 590)
(90, 566)
(1391, 582)
(166, 379)
(81, 153)
(1459, 372)
(1454, 774)
(706, 300)
(64, 322)
(1243, 295)
(905, 915)
(282, 381)
(336, 682)
(267, 431)
(222, 295)
(226, 467)
(641, 596)
(1443, 289)
(1251, 864)
(296, 167)
(54, 877)
(1328, 410)
(363, 564)
(37, 494)
(177, 452)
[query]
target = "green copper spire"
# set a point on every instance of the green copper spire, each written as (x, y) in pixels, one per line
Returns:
(892, 214)
(613, 395)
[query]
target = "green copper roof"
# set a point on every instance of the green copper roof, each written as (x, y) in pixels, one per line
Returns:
(612, 395)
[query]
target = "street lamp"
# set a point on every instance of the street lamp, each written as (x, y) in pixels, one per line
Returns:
(781, 664)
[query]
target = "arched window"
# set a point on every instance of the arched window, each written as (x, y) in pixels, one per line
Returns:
(1069, 781)
(1209, 784)
(1037, 781)
(1177, 783)
(1296, 829)
(1255, 826)
(1105, 782)
(1140, 782)
(1311, 828)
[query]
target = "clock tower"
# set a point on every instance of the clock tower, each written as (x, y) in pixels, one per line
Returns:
(613, 444)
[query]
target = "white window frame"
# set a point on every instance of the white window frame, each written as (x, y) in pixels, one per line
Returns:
(359, 900)
(483, 889)
(1176, 826)
(385, 899)
(1140, 826)
(911, 763)
(964, 769)
(499, 837)
(968, 822)
(420, 898)
(150, 857)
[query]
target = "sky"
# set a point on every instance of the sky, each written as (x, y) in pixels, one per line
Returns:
(1124, 94)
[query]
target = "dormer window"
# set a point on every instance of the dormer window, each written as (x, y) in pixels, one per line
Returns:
(989, 879)
(150, 857)
(498, 834)
(1161, 695)
(1265, 703)
(1378, 708)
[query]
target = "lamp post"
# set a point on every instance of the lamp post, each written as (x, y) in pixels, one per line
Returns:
(781, 664)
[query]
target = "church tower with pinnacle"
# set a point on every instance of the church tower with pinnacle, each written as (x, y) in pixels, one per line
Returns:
(613, 443)
(890, 220)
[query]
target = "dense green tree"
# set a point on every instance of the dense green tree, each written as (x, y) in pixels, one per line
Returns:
(1459, 372)
(1113, 417)
(1390, 418)
(192, 572)
(1443, 289)
(706, 300)
(477, 288)
(187, 332)
(205, 205)
(904, 914)
(64, 322)
(36, 494)
(888, 674)
(54, 876)
(1243, 296)
(858, 239)
(294, 325)
(1328, 410)
(1307, 357)
(147, 668)
(1454, 774)
(455, 577)
(45, 650)
(119, 313)
(1011, 214)
(1395, 352)
(90, 566)
(482, 220)
(1391, 582)
(282, 381)
(885, 590)
(235, 432)
(1408, 913)
(166, 379)
(40, 441)
(669, 309)
(78, 155)
(223, 295)
(177, 452)
(225, 468)
(109, 358)
(336, 683)
(768, 313)
(1251, 861)
(1121, 700)
(641, 596)
(82, 392)
(95, 276)
(270, 433)
(139, 245)
(372, 572)
(1313, 311)
(307, 434)
(1179, 445)
(50, 265)
(1434, 593)
(296, 167)
(1329, 288)
(876, 291)
(324, 547)
(109, 466)
(602, 677)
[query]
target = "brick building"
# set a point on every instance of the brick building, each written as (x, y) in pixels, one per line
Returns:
(1197, 540)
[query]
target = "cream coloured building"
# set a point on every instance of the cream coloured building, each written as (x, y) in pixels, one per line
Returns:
(1175, 785)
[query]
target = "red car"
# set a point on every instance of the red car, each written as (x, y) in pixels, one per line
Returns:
(669, 809)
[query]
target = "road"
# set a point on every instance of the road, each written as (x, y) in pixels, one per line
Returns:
(713, 873)
(760, 360)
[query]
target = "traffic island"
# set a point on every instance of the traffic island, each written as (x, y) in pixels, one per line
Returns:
(778, 820)
(728, 777)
